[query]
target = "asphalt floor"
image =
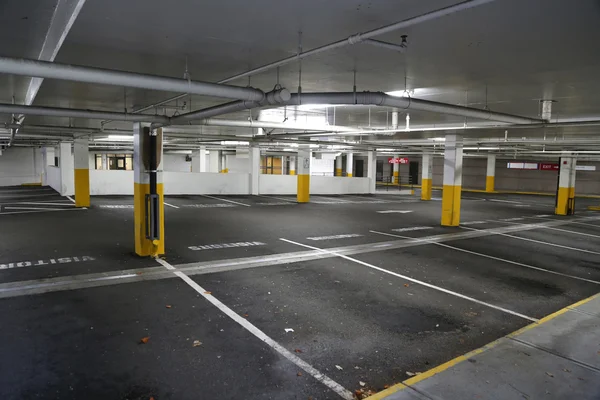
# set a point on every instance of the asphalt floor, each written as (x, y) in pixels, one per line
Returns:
(258, 297)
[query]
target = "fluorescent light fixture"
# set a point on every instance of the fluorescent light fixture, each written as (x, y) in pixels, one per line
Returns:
(438, 139)
(119, 138)
(481, 148)
(234, 143)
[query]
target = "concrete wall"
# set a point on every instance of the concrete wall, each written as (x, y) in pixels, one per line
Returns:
(206, 183)
(104, 182)
(53, 178)
(237, 165)
(176, 163)
(324, 166)
(338, 185)
(277, 184)
(19, 165)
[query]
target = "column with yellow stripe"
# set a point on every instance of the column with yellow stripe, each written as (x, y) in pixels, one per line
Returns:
(148, 193)
(292, 165)
(303, 189)
(453, 156)
(565, 194)
(426, 176)
(490, 177)
(396, 170)
(349, 164)
(338, 165)
(82, 172)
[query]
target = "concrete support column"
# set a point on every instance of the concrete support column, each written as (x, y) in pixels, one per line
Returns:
(199, 160)
(426, 176)
(453, 157)
(303, 188)
(104, 162)
(292, 165)
(66, 169)
(254, 161)
(47, 159)
(223, 168)
(338, 165)
(349, 164)
(215, 161)
(565, 196)
(490, 178)
(82, 172)
(396, 171)
(372, 171)
(145, 246)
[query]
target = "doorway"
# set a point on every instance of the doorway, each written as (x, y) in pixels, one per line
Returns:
(359, 168)
(413, 172)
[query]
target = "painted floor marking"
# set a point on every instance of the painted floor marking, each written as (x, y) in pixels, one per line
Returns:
(412, 228)
(39, 211)
(228, 201)
(505, 201)
(574, 232)
(218, 205)
(324, 379)
(539, 241)
(46, 203)
(30, 208)
(497, 258)
(116, 206)
(333, 237)
(170, 205)
(522, 205)
(394, 212)
(438, 288)
(279, 198)
(475, 222)
(27, 195)
(225, 245)
(70, 198)
(37, 263)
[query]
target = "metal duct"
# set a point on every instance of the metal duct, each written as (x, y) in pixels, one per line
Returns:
(75, 113)
(76, 73)
(275, 97)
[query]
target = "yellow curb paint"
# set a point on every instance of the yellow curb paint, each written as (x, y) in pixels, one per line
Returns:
(440, 368)
(82, 187)
(451, 205)
(426, 189)
(349, 175)
(143, 246)
(303, 195)
(396, 175)
(489, 183)
(32, 184)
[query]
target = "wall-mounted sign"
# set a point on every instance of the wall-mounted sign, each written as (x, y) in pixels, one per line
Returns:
(585, 167)
(521, 165)
(549, 167)
(399, 160)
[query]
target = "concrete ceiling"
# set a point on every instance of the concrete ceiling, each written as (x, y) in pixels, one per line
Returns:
(505, 55)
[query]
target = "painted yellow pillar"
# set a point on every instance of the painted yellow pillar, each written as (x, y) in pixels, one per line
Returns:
(491, 173)
(143, 245)
(338, 165)
(453, 156)
(292, 166)
(303, 189)
(426, 176)
(565, 196)
(396, 171)
(349, 164)
(82, 172)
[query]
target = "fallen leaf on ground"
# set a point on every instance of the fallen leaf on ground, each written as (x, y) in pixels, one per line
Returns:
(410, 373)
(197, 343)
(361, 383)
(288, 330)
(299, 374)
(207, 292)
(406, 285)
(145, 340)
(298, 351)
(168, 306)
(386, 386)
(245, 315)
(549, 374)
(338, 367)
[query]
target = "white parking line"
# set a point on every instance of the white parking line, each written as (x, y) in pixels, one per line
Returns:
(31, 208)
(324, 379)
(229, 201)
(279, 198)
(170, 205)
(496, 258)
(70, 198)
(537, 241)
(505, 201)
(32, 212)
(462, 296)
(583, 223)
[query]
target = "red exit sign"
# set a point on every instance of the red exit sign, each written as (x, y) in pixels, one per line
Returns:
(549, 167)
(399, 160)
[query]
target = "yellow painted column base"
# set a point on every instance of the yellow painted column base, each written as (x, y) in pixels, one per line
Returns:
(396, 174)
(349, 175)
(143, 246)
(292, 172)
(426, 189)
(82, 187)
(338, 172)
(303, 195)
(565, 196)
(490, 183)
(451, 205)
